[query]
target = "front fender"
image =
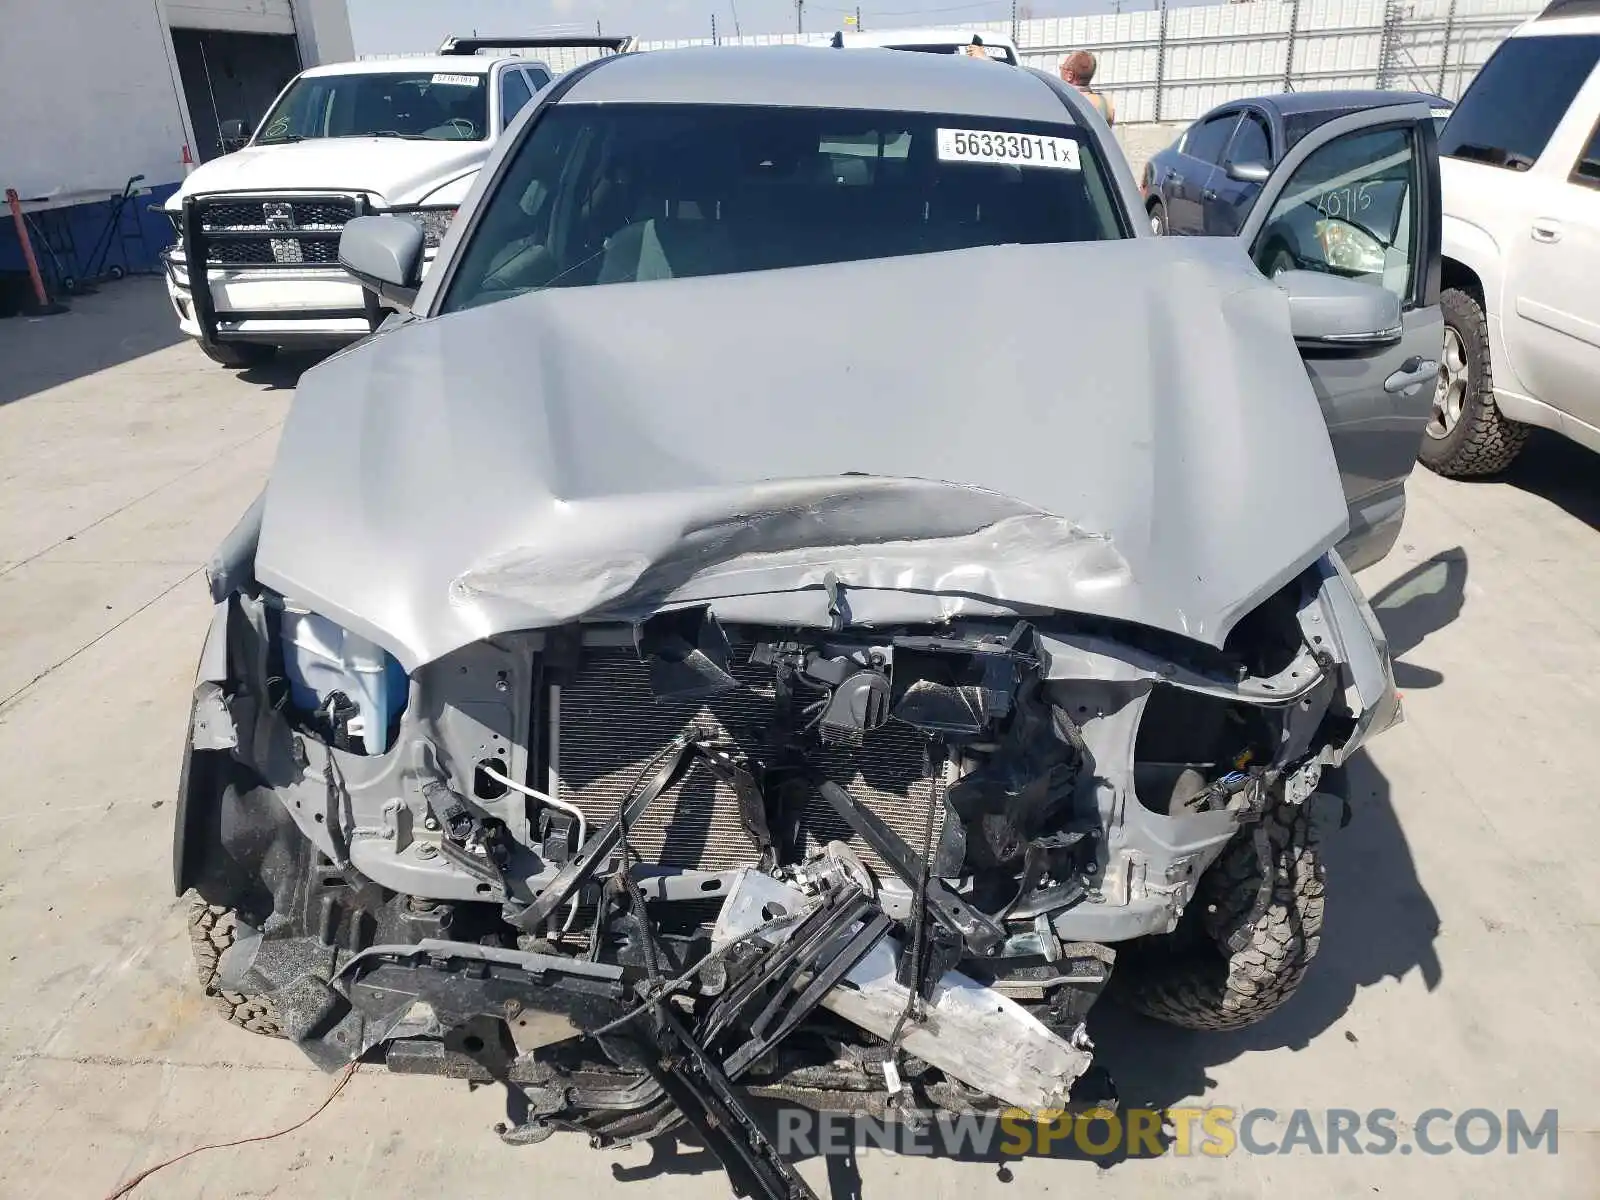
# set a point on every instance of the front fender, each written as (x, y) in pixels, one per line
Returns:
(209, 729)
(451, 191)
(1362, 648)
(1474, 248)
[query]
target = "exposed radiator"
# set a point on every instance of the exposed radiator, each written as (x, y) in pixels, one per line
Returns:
(608, 723)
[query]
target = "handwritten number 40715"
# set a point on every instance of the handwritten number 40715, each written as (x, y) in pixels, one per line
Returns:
(1345, 201)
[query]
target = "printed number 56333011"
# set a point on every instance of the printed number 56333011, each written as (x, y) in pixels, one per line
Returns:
(1015, 149)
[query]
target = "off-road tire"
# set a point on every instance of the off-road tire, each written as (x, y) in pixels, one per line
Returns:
(211, 930)
(1484, 440)
(1197, 982)
(238, 354)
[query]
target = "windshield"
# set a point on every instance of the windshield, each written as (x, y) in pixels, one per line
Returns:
(427, 105)
(600, 194)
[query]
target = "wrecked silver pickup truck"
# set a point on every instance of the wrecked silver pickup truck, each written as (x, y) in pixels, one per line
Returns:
(754, 632)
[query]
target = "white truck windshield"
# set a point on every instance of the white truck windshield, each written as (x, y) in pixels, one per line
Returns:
(622, 193)
(426, 105)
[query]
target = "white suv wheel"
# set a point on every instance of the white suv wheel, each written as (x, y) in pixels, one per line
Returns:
(1450, 394)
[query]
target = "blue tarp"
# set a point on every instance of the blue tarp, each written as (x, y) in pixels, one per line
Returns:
(67, 241)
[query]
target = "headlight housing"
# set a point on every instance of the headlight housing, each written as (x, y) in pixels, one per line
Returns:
(434, 223)
(1349, 248)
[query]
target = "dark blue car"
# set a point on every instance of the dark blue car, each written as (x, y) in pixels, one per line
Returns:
(1207, 181)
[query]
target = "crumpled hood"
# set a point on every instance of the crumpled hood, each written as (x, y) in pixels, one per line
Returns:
(1122, 429)
(395, 170)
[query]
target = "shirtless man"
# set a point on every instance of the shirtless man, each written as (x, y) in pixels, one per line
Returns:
(1078, 70)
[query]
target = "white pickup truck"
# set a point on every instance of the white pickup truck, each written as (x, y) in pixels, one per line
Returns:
(403, 136)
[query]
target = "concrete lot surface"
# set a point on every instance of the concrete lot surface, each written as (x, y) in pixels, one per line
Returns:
(1460, 962)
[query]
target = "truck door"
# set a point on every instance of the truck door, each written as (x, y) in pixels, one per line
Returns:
(1359, 198)
(1552, 326)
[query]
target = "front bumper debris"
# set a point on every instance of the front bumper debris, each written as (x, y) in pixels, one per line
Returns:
(870, 870)
(779, 951)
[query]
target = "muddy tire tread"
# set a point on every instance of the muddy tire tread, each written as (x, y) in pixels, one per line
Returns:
(1485, 441)
(1207, 988)
(211, 933)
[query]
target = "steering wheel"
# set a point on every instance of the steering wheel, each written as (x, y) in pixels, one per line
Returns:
(467, 128)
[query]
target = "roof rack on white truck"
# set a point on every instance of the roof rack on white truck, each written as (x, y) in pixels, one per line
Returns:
(954, 40)
(404, 136)
(476, 44)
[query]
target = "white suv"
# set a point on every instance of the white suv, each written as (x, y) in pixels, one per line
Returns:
(403, 136)
(1520, 172)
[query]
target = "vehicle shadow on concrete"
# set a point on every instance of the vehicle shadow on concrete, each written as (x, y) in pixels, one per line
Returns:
(1561, 471)
(1379, 924)
(282, 372)
(124, 320)
(1425, 599)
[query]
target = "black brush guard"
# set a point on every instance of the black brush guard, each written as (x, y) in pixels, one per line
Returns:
(198, 242)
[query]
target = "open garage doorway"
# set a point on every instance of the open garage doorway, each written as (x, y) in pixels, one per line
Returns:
(228, 76)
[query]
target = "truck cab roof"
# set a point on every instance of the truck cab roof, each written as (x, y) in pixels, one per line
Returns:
(462, 64)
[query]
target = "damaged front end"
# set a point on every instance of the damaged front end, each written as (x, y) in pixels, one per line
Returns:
(641, 871)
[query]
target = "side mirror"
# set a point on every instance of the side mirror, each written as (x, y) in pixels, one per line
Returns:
(1329, 312)
(385, 256)
(232, 134)
(1249, 172)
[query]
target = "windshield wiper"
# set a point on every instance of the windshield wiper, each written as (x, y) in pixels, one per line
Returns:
(282, 137)
(388, 133)
(1496, 156)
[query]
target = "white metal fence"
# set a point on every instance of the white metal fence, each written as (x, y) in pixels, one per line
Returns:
(1175, 63)
(1172, 64)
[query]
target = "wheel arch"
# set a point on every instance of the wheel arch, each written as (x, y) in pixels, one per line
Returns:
(1471, 262)
(1460, 277)
(1279, 243)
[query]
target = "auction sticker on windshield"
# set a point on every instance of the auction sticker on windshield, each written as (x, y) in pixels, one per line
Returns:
(1013, 149)
(455, 80)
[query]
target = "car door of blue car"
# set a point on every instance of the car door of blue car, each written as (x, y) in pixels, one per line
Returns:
(1183, 185)
(1234, 186)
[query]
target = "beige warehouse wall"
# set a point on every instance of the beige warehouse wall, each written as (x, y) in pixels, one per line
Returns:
(113, 114)
(323, 27)
(118, 112)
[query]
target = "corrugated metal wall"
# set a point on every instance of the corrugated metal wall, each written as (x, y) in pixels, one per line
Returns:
(1173, 64)
(1206, 55)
